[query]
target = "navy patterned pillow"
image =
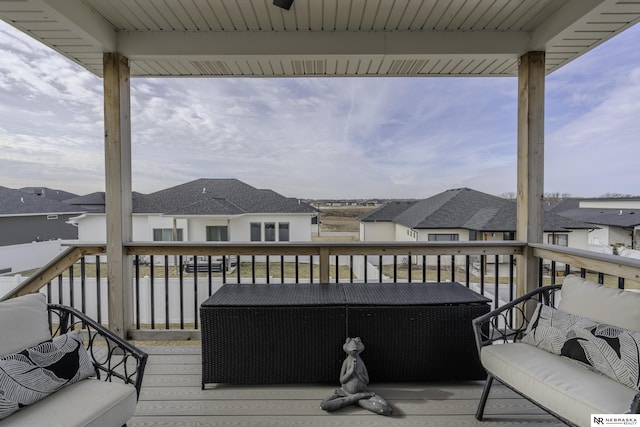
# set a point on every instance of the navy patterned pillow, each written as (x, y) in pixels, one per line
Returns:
(610, 350)
(36, 372)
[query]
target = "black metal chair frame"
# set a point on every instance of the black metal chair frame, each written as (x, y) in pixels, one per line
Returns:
(112, 356)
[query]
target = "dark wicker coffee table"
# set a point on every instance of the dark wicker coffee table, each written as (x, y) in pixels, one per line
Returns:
(293, 333)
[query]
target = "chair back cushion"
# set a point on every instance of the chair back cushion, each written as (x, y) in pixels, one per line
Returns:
(24, 322)
(600, 303)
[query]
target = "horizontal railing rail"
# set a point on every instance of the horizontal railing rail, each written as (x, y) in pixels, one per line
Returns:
(170, 280)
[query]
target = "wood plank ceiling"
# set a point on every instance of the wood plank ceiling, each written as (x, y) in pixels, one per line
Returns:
(321, 37)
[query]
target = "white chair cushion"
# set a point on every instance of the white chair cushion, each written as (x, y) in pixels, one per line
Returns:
(600, 303)
(89, 402)
(560, 384)
(25, 323)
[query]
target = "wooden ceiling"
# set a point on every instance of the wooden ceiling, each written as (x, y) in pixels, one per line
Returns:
(254, 38)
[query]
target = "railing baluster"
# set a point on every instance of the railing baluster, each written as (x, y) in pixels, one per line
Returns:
(181, 290)
(395, 268)
(167, 323)
(83, 285)
(553, 272)
(620, 282)
(601, 278)
(297, 270)
(424, 268)
(253, 268)
(337, 269)
(438, 268)
(268, 270)
(583, 273)
(98, 290)
(60, 290)
(195, 297)
(366, 270)
(152, 292)
(380, 269)
(281, 268)
(496, 295)
(238, 263)
(409, 264)
(482, 266)
(453, 268)
(351, 268)
(136, 260)
(195, 273)
(467, 267)
(310, 268)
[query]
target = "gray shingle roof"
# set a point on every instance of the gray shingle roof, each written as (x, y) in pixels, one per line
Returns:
(204, 197)
(16, 202)
(49, 193)
(613, 217)
(230, 195)
(466, 209)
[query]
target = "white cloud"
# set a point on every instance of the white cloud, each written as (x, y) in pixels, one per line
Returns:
(339, 137)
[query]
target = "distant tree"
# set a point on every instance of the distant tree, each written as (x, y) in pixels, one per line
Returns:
(615, 195)
(510, 195)
(555, 197)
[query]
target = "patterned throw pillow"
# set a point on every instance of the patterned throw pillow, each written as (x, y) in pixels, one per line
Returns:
(610, 350)
(36, 372)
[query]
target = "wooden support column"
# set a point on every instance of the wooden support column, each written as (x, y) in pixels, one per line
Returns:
(117, 144)
(530, 214)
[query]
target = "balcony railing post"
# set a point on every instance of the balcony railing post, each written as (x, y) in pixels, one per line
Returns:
(324, 264)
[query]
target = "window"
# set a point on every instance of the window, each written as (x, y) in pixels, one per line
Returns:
(558, 239)
(442, 237)
(509, 235)
(269, 231)
(217, 233)
(283, 231)
(166, 234)
(256, 231)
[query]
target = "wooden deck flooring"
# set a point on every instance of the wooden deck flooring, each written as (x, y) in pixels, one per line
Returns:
(172, 396)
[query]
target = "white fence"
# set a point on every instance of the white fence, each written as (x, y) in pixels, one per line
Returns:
(28, 256)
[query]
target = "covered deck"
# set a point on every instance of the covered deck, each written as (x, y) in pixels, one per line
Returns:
(172, 396)
(118, 40)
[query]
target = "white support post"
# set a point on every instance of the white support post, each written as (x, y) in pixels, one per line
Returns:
(530, 213)
(117, 142)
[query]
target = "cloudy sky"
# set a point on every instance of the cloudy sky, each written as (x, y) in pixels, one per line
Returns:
(322, 138)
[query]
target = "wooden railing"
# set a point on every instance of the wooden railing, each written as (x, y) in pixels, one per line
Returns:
(167, 298)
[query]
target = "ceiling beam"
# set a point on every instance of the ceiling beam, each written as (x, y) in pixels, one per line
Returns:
(163, 45)
(83, 21)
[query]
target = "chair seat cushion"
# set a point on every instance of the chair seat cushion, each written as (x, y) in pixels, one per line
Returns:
(559, 384)
(88, 402)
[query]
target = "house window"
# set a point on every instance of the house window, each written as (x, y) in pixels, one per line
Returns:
(283, 231)
(433, 237)
(269, 231)
(558, 239)
(166, 234)
(508, 235)
(217, 233)
(256, 231)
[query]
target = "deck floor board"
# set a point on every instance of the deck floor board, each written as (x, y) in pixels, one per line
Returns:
(172, 395)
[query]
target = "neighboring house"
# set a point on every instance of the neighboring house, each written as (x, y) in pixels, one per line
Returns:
(205, 210)
(460, 215)
(26, 217)
(617, 219)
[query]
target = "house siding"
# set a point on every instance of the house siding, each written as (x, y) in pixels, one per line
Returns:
(32, 228)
